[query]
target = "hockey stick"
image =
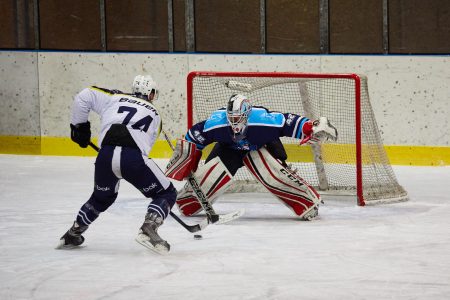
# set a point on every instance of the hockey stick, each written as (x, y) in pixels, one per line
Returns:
(94, 146)
(190, 228)
(211, 215)
(209, 210)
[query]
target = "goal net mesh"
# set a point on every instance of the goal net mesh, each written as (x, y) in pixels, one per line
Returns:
(331, 166)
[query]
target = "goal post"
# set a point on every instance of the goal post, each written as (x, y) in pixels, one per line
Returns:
(356, 164)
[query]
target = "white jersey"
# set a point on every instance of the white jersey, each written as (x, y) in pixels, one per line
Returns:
(140, 116)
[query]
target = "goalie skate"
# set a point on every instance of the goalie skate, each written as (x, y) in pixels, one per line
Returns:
(311, 214)
(148, 235)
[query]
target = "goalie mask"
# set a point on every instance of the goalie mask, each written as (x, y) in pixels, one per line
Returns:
(238, 111)
(145, 85)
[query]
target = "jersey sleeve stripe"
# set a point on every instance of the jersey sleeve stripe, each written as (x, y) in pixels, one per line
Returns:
(98, 89)
(297, 132)
(191, 139)
(294, 132)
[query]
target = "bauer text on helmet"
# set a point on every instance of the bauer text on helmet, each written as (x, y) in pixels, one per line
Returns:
(238, 110)
(145, 85)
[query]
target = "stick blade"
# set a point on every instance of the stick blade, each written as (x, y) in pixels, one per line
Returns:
(223, 219)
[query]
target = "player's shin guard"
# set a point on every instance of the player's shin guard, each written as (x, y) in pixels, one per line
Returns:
(163, 202)
(214, 180)
(87, 214)
(287, 186)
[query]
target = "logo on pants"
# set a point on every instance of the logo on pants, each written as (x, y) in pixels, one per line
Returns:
(151, 187)
(103, 189)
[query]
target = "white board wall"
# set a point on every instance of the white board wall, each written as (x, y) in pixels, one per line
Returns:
(410, 94)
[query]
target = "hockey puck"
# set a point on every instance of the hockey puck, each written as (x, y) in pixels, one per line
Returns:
(198, 236)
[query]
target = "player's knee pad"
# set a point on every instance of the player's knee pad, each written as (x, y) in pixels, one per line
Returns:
(287, 186)
(213, 178)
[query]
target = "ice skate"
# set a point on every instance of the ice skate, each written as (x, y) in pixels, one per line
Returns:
(148, 234)
(313, 213)
(72, 238)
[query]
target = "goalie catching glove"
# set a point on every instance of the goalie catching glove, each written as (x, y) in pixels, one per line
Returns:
(184, 160)
(318, 131)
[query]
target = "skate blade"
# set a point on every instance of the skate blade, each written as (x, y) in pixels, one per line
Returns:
(61, 246)
(144, 241)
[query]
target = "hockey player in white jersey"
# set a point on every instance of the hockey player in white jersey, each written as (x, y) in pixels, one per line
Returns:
(130, 124)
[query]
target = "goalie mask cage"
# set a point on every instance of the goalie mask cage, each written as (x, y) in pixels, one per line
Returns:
(356, 164)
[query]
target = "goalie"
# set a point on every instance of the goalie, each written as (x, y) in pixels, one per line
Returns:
(247, 136)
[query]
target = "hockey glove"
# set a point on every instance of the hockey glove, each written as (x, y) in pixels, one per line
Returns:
(81, 134)
(308, 137)
(318, 131)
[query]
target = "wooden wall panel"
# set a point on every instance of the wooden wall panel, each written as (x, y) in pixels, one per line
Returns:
(292, 26)
(139, 25)
(17, 30)
(417, 26)
(8, 30)
(70, 25)
(356, 26)
(231, 26)
(179, 26)
(227, 26)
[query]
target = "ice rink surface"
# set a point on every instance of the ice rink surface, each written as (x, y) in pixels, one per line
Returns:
(394, 251)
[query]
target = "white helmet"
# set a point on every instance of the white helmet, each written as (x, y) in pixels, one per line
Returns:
(145, 85)
(238, 110)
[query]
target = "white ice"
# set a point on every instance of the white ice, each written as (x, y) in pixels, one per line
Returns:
(395, 251)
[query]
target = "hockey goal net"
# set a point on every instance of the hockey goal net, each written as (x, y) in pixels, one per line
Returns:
(356, 164)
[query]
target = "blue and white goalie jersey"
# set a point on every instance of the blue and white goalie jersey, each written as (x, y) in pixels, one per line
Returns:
(264, 126)
(140, 117)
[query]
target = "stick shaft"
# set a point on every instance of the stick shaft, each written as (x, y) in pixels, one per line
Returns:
(207, 207)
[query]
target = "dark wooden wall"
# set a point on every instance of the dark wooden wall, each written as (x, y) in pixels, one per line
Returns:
(229, 26)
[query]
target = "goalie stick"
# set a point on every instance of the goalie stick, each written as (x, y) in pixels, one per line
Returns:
(211, 215)
(190, 228)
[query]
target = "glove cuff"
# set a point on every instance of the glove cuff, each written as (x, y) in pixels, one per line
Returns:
(307, 129)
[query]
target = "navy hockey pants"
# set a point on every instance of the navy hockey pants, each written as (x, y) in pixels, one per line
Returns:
(114, 163)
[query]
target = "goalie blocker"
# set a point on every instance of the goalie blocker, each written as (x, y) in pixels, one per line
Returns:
(184, 160)
(282, 182)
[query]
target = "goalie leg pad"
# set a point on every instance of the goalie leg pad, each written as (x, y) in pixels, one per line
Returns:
(213, 178)
(184, 160)
(286, 185)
